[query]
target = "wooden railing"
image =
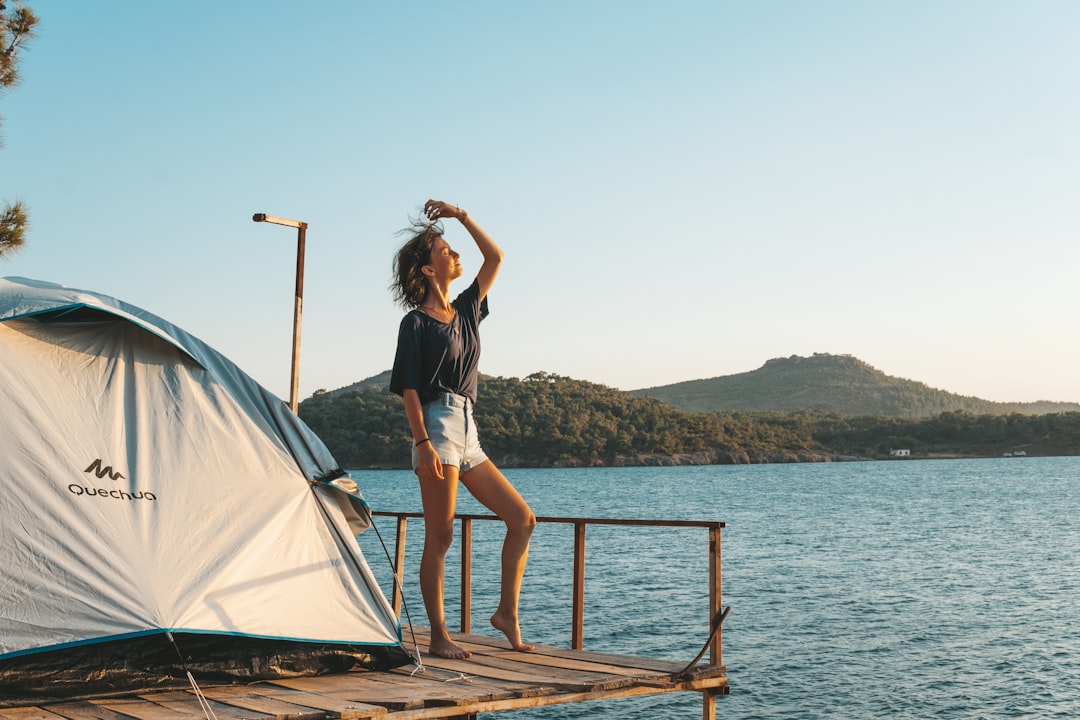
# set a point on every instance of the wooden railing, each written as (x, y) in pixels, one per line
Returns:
(580, 524)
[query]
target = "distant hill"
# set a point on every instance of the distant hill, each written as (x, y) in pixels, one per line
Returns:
(545, 420)
(380, 382)
(833, 383)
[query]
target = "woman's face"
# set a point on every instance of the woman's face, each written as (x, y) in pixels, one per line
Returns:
(444, 261)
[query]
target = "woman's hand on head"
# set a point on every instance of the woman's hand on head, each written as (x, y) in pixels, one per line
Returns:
(437, 210)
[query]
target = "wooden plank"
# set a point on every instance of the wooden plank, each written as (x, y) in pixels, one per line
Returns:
(335, 707)
(187, 703)
(141, 709)
(471, 688)
(358, 688)
(703, 672)
(498, 688)
(540, 657)
(411, 683)
(462, 694)
(245, 698)
(559, 699)
(468, 667)
(628, 661)
(28, 713)
(483, 660)
(459, 694)
(321, 685)
(487, 667)
(588, 666)
(85, 711)
(418, 688)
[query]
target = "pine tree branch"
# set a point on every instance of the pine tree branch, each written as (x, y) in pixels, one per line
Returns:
(18, 25)
(13, 225)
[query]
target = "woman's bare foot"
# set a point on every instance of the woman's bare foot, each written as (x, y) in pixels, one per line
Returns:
(508, 626)
(448, 649)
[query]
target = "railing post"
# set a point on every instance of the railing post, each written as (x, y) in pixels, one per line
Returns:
(716, 598)
(577, 635)
(466, 575)
(399, 564)
(708, 705)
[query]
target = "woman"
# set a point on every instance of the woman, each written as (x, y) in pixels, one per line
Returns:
(435, 372)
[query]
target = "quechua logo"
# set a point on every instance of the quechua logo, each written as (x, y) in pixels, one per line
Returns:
(101, 471)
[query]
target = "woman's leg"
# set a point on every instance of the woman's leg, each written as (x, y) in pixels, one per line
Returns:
(439, 498)
(488, 485)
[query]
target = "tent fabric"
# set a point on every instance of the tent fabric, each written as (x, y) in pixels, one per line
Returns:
(149, 486)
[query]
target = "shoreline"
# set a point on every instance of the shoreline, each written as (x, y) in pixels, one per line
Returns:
(777, 457)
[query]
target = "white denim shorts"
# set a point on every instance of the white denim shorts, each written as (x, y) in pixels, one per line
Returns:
(450, 425)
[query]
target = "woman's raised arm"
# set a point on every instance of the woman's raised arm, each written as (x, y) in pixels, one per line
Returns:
(493, 254)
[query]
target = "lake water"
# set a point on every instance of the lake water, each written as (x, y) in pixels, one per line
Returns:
(902, 589)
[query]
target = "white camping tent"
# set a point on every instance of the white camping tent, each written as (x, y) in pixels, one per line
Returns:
(150, 490)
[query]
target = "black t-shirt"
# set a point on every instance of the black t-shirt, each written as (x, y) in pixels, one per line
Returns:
(435, 357)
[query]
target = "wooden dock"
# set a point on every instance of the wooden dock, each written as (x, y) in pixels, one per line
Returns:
(494, 679)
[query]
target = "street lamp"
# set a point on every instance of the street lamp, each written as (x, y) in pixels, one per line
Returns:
(298, 304)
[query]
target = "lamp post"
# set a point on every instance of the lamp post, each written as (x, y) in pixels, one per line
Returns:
(298, 304)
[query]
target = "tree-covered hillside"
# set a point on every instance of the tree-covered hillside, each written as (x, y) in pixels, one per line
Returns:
(835, 383)
(545, 420)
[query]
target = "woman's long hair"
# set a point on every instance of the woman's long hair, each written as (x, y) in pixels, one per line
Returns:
(409, 285)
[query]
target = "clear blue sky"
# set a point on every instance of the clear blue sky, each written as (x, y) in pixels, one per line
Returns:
(683, 189)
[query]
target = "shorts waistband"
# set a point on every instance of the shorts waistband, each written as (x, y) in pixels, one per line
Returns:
(452, 400)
